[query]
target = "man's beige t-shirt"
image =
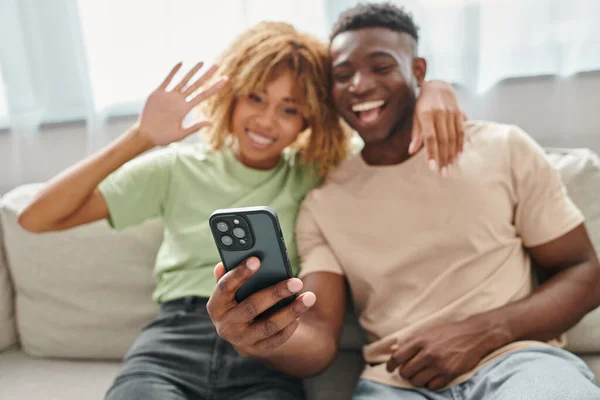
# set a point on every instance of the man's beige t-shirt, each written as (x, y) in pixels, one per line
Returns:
(420, 250)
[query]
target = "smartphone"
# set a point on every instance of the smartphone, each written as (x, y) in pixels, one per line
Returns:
(240, 233)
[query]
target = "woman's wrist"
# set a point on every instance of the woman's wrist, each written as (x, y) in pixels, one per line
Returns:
(137, 140)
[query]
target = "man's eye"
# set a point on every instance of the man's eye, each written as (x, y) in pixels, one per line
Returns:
(383, 69)
(342, 77)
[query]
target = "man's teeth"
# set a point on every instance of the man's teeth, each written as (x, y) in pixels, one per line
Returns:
(260, 139)
(369, 105)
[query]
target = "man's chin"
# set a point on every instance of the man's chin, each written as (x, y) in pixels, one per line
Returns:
(373, 133)
(373, 136)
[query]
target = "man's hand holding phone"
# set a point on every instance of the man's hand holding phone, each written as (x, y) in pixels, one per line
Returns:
(238, 323)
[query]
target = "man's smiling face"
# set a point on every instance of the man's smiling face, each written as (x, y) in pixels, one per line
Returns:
(374, 80)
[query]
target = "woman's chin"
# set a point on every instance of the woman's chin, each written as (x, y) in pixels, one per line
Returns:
(259, 158)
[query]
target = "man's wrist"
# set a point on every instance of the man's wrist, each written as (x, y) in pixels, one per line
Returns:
(496, 328)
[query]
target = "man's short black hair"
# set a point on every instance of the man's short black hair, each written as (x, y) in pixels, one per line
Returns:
(376, 15)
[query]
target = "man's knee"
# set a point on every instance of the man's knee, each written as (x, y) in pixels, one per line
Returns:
(581, 389)
(544, 374)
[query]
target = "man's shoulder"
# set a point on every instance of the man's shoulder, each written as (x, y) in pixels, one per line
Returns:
(483, 133)
(498, 139)
(495, 132)
(502, 142)
(335, 183)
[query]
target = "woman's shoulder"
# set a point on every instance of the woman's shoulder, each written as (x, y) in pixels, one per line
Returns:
(304, 175)
(293, 161)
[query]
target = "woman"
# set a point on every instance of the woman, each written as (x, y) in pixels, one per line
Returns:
(274, 136)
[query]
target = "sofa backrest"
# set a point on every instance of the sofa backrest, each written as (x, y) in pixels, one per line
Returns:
(580, 172)
(86, 292)
(80, 293)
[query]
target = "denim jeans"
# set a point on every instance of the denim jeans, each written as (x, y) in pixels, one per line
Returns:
(537, 373)
(180, 356)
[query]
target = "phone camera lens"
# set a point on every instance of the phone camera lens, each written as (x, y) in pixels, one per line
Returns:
(239, 233)
(227, 240)
(236, 221)
(222, 226)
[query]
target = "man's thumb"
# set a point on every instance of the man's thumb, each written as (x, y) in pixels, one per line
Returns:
(219, 271)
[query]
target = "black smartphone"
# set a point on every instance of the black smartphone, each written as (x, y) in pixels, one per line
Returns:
(240, 233)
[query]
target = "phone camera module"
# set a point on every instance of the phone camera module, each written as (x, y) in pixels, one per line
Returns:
(222, 226)
(227, 240)
(239, 233)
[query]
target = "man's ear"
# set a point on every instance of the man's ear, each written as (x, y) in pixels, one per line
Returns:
(419, 70)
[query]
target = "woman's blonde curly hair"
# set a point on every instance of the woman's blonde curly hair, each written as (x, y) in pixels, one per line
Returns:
(253, 60)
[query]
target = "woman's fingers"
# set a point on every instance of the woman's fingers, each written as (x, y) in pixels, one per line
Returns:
(188, 76)
(200, 81)
(458, 120)
(206, 93)
(194, 128)
(452, 140)
(169, 77)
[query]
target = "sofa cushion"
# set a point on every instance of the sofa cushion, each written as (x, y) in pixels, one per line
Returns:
(580, 171)
(25, 377)
(339, 380)
(8, 335)
(80, 293)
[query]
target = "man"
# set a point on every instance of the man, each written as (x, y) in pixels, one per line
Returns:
(439, 269)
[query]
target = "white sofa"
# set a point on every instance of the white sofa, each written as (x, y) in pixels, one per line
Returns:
(72, 303)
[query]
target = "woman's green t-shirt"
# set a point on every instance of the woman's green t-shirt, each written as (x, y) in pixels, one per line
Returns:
(184, 184)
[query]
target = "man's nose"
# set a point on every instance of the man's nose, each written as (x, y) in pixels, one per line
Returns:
(361, 83)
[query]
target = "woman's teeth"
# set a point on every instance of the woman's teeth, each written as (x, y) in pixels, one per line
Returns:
(260, 139)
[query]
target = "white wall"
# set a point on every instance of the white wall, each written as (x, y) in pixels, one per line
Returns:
(557, 112)
(26, 158)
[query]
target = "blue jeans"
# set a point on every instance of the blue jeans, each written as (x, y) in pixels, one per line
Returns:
(539, 373)
(179, 356)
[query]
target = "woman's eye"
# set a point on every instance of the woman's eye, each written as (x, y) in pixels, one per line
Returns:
(291, 111)
(255, 98)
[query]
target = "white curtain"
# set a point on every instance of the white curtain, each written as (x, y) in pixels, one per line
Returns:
(3, 106)
(130, 45)
(64, 60)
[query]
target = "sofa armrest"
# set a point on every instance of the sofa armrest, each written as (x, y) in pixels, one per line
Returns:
(8, 335)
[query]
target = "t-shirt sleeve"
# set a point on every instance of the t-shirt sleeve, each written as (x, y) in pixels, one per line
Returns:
(137, 191)
(544, 211)
(315, 253)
